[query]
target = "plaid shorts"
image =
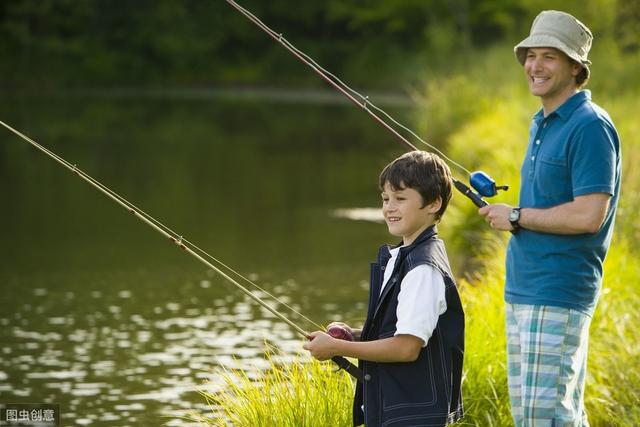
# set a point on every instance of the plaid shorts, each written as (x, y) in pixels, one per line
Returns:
(546, 365)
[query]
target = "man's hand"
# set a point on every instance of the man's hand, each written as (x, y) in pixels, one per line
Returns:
(497, 216)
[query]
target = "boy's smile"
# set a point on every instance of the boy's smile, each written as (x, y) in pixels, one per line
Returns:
(405, 214)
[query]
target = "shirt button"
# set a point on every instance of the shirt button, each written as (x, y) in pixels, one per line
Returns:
(544, 125)
(533, 158)
(367, 377)
(537, 142)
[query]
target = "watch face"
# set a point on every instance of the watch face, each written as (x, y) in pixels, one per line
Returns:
(514, 215)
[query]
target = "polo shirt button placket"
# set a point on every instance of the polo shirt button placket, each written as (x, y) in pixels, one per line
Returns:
(534, 150)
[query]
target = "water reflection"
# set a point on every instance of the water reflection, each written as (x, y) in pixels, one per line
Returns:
(151, 361)
(360, 214)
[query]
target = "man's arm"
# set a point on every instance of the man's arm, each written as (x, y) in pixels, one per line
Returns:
(400, 348)
(585, 214)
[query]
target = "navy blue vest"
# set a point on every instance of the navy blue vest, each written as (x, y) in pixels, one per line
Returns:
(425, 392)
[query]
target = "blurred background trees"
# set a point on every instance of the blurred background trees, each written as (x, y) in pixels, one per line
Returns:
(71, 43)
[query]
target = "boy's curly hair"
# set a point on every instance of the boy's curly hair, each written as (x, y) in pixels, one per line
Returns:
(425, 172)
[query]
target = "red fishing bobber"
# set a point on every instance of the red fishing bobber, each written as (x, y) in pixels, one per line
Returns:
(340, 333)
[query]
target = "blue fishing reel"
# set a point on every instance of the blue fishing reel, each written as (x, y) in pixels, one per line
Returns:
(485, 185)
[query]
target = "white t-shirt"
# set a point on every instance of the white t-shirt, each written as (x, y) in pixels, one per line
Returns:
(421, 300)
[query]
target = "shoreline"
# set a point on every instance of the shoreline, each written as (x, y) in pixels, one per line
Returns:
(273, 94)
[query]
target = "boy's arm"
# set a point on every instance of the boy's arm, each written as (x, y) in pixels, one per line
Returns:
(420, 303)
(400, 348)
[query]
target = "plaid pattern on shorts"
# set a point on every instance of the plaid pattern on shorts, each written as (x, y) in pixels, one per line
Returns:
(546, 365)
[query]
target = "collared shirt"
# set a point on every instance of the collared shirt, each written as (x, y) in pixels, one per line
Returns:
(421, 300)
(573, 151)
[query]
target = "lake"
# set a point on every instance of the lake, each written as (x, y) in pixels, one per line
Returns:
(101, 315)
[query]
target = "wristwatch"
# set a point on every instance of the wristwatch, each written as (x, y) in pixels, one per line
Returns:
(514, 217)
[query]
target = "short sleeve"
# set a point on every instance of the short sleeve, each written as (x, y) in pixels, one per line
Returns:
(421, 301)
(593, 160)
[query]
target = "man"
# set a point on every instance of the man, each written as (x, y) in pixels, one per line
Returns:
(570, 183)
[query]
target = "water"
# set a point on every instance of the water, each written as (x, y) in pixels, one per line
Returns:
(101, 315)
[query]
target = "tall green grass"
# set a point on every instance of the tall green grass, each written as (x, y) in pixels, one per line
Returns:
(305, 393)
(613, 385)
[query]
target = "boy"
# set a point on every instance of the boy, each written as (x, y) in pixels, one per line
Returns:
(411, 346)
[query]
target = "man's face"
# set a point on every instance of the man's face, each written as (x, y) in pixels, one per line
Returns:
(550, 73)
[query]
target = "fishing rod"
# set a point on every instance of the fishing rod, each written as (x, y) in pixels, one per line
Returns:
(190, 249)
(479, 180)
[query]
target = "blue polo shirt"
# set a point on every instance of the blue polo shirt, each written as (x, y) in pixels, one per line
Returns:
(573, 151)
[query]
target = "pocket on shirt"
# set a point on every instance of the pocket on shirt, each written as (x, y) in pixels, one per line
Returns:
(554, 180)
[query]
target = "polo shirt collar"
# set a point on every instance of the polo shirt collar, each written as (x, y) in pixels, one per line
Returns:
(565, 110)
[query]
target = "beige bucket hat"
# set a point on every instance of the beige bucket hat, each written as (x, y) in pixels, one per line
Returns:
(559, 30)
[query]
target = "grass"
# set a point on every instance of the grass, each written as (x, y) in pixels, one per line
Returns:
(304, 393)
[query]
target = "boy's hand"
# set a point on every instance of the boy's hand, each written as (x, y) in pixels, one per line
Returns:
(354, 332)
(320, 345)
(341, 325)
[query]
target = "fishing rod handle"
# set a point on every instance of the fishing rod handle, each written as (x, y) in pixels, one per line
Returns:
(474, 197)
(349, 367)
(477, 200)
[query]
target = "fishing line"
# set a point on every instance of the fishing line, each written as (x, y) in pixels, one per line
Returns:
(183, 243)
(480, 181)
(192, 250)
(365, 101)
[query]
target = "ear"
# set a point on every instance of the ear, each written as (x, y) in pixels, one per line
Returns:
(434, 206)
(575, 68)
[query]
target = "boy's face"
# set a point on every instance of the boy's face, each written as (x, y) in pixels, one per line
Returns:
(404, 214)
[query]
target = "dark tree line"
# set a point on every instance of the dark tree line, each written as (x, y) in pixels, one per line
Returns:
(71, 43)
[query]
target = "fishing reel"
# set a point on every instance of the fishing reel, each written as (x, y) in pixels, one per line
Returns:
(484, 185)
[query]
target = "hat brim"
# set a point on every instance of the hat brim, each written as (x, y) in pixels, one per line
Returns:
(541, 40)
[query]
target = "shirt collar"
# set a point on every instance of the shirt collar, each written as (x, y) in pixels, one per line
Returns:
(565, 110)
(428, 233)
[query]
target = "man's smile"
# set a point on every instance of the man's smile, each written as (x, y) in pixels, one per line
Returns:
(539, 80)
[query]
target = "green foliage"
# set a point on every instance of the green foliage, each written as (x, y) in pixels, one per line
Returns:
(485, 381)
(55, 43)
(446, 104)
(622, 109)
(613, 384)
(303, 393)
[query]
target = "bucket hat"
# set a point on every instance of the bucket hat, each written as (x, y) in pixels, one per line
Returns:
(559, 30)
